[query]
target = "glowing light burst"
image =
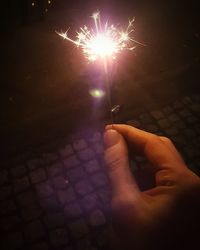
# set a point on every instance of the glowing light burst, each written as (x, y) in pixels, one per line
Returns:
(103, 41)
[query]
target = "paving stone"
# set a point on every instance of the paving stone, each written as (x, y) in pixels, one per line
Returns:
(151, 128)
(72, 210)
(190, 133)
(98, 148)
(187, 100)
(96, 137)
(54, 220)
(34, 231)
(90, 201)
(21, 184)
(10, 222)
(97, 218)
(30, 213)
(38, 175)
(59, 237)
(44, 189)
(173, 118)
(133, 165)
(105, 195)
(50, 204)
(35, 163)
(164, 123)
(79, 144)
(140, 159)
(92, 166)
(167, 110)
(54, 169)
(12, 241)
(67, 248)
(60, 182)
(134, 123)
(185, 113)
(86, 154)
(102, 239)
(160, 133)
(7, 206)
(145, 118)
(99, 180)
(83, 187)
(66, 151)
(75, 174)
(171, 132)
(26, 199)
(197, 128)
(191, 120)
(67, 195)
(5, 192)
(180, 141)
(195, 108)
(3, 177)
(50, 157)
(39, 246)
(83, 243)
(18, 171)
(178, 105)
(197, 141)
(71, 161)
(191, 152)
(196, 98)
(78, 228)
(157, 114)
(180, 124)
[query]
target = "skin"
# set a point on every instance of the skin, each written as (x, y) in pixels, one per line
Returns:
(164, 216)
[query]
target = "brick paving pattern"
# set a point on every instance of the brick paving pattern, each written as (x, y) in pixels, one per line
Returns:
(61, 199)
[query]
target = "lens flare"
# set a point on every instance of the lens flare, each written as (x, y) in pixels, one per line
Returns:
(102, 41)
(97, 93)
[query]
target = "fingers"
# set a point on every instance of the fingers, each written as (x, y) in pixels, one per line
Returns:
(156, 151)
(117, 160)
(173, 149)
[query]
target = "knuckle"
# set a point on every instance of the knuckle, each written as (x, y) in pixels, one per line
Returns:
(166, 139)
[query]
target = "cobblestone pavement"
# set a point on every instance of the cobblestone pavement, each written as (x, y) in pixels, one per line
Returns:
(59, 198)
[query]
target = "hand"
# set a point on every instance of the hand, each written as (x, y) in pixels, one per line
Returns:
(162, 216)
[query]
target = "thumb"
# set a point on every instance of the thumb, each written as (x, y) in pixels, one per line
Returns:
(117, 161)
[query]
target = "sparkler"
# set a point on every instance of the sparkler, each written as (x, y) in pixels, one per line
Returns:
(103, 42)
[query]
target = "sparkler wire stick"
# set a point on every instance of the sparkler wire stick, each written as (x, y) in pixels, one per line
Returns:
(108, 88)
(103, 43)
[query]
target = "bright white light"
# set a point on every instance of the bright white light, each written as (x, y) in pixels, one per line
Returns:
(103, 41)
(101, 46)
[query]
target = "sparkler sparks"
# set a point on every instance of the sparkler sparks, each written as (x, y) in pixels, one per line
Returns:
(104, 41)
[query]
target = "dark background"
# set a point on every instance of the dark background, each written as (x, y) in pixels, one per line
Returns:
(45, 81)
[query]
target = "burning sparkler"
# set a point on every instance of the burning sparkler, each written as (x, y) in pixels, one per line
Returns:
(103, 42)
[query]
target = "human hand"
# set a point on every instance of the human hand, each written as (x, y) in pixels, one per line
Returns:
(160, 217)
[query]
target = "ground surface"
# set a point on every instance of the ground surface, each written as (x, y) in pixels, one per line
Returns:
(54, 189)
(57, 196)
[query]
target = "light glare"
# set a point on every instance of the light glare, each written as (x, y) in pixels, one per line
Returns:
(103, 41)
(97, 93)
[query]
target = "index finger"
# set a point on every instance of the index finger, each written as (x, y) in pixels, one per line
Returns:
(150, 145)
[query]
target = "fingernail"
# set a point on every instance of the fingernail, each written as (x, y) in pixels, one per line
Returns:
(111, 137)
(110, 126)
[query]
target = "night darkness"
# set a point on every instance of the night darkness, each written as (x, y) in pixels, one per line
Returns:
(48, 116)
